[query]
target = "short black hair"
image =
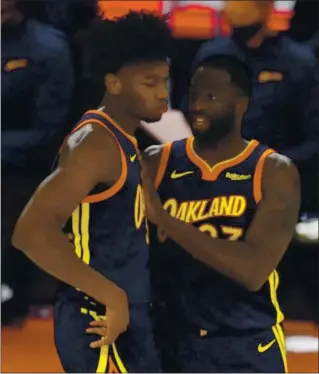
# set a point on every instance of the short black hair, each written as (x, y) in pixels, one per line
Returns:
(240, 73)
(134, 38)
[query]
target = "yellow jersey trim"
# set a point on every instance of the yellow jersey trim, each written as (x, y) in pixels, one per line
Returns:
(105, 356)
(279, 335)
(273, 286)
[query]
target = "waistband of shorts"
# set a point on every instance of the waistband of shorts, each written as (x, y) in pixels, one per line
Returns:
(187, 327)
(83, 301)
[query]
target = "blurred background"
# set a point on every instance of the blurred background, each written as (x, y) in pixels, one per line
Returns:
(46, 87)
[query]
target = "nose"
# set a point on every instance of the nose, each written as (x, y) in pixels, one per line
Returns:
(195, 100)
(163, 94)
(195, 108)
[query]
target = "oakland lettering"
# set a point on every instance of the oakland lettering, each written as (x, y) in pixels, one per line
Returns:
(200, 210)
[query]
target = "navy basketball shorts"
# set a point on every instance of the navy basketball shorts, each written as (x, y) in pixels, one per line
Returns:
(133, 352)
(260, 352)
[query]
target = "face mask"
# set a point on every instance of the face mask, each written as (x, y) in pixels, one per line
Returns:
(243, 34)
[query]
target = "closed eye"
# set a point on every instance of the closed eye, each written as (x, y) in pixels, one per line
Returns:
(156, 81)
(150, 84)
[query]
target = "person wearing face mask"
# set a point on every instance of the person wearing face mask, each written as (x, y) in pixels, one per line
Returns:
(222, 217)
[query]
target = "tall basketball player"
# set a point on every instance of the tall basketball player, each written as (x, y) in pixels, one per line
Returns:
(97, 183)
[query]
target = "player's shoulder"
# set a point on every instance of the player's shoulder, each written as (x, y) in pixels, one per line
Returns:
(278, 161)
(49, 40)
(281, 168)
(90, 134)
(90, 142)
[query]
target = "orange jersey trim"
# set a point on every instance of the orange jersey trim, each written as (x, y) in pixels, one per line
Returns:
(131, 138)
(120, 182)
(212, 173)
(112, 367)
(166, 150)
(257, 183)
(117, 186)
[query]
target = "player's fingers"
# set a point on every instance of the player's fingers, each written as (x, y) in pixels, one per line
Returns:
(110, 339)
(100, 343)
(97, 344)
(98, 323)
(96, 331)
(112, 334)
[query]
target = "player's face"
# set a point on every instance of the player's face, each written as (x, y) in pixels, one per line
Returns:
(212, 105)
(145, 90)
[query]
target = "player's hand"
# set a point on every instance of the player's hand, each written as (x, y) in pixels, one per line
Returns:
(153, 204)
(113, 324)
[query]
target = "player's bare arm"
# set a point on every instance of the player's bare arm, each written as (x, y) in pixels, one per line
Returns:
(251, 261)
(87, 158)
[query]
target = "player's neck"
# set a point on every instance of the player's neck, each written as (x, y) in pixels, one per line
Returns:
(127, 123)
(225, 149)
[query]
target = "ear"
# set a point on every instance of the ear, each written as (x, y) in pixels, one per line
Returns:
(113, 84)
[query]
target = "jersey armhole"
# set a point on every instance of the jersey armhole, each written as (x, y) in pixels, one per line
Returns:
(258, 175)
(162, 166)
(116, 187)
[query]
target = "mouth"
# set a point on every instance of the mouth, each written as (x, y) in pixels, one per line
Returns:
(199, 121)
(163, 109)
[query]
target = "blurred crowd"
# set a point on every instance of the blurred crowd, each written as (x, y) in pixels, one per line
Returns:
(46, 88)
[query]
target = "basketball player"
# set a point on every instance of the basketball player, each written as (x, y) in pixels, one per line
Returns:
(225, 213)
(98, 179)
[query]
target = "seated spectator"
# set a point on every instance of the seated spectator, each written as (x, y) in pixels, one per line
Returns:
(71, 16)
(313, 43)
(75, 18)
(37, 87)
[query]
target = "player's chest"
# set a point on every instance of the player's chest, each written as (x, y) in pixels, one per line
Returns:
(226, 202)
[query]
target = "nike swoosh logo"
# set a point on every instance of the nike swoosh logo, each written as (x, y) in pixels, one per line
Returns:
(263, 348)
(132, 158)
(176, 175)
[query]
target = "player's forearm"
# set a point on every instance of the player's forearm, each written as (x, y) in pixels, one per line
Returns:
(236, 260)
(51, 251)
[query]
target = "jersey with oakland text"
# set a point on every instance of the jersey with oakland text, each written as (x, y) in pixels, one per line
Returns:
(221, 202)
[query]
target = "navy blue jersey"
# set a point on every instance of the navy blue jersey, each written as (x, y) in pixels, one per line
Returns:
(109, 226)
(221, 201)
